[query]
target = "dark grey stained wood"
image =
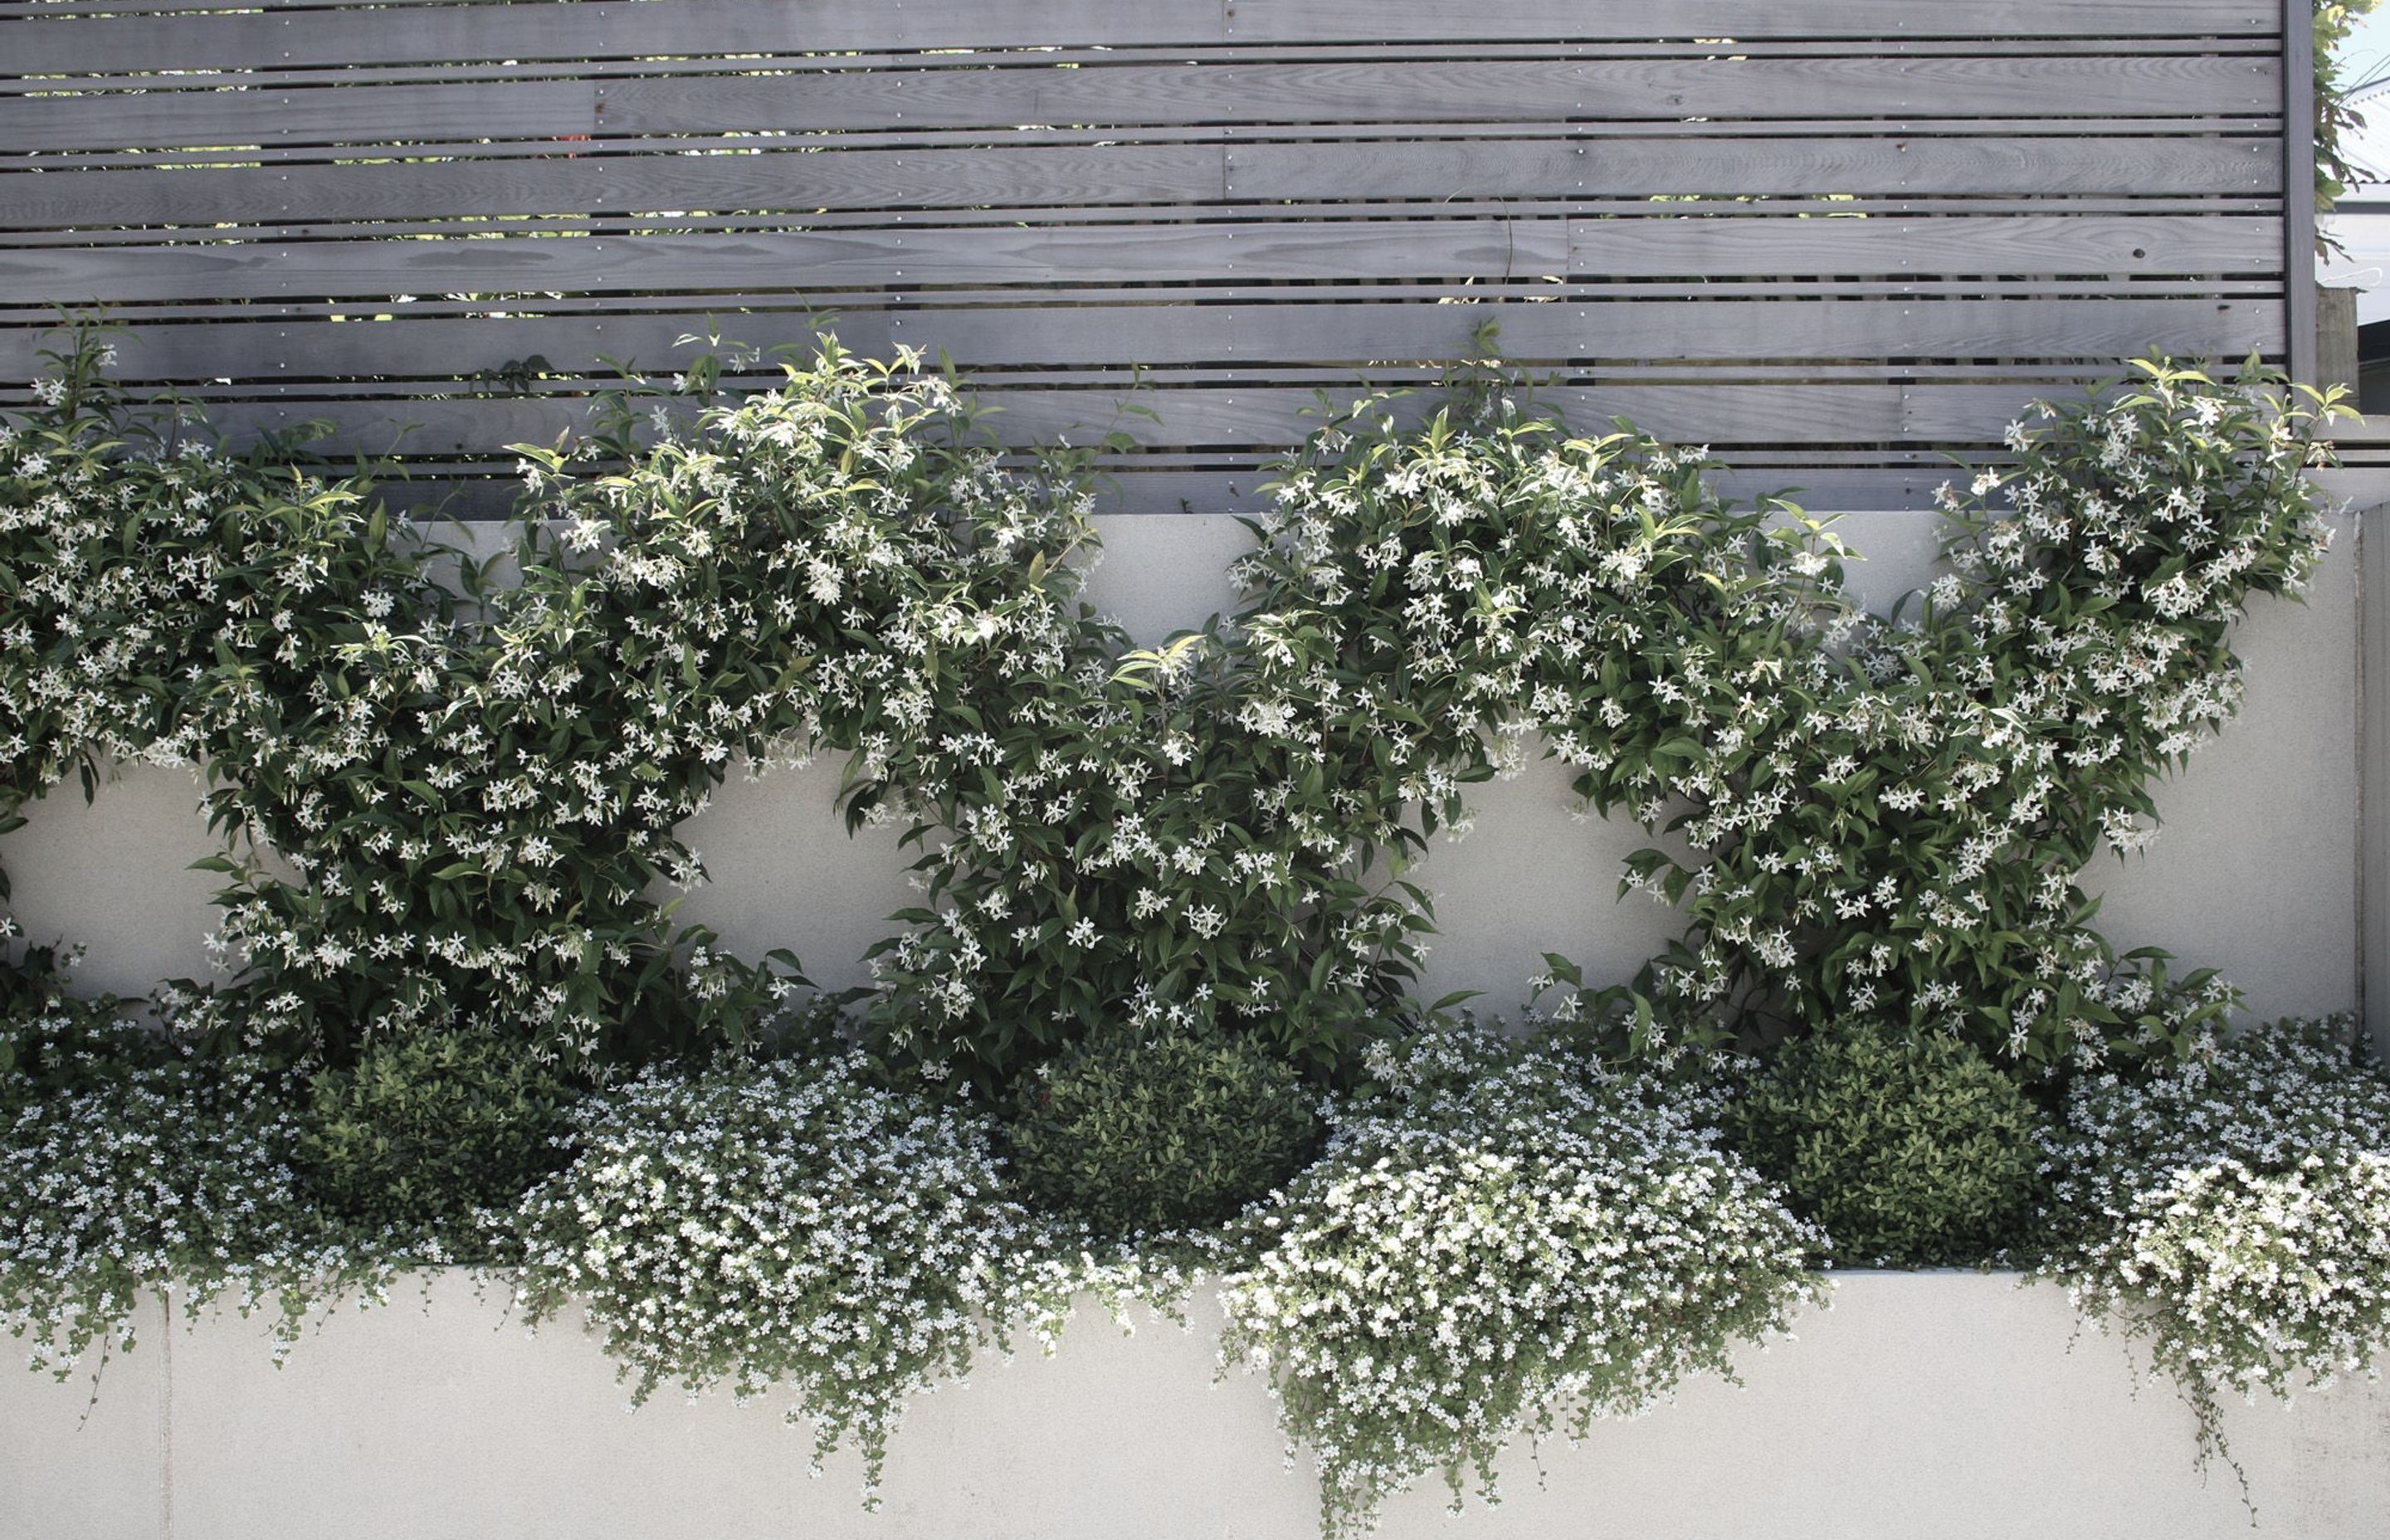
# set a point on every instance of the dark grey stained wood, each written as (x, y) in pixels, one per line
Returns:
(1663, 166)
(1249, 339)
(292, 38)
(2124, 249)
(1291, 20)
(1090, 256)
(1844, 245)
(563, 181)
(1793, 414)
(1249, 172)
(1246, 252)
(2255, 54)
(1243, 490)
(2116, 248)
(682, 222)
(1518, 91)
(2298, 157)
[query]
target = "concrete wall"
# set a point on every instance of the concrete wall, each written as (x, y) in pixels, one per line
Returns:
(2255, 874)
(1951, 1405)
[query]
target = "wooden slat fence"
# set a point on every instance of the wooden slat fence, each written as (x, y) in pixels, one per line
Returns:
(1837, 239)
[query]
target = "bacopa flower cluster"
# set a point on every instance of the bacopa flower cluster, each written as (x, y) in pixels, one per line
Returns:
(2233, 1211)
(787, 1225)
(1501, 1237)
(133, 1169)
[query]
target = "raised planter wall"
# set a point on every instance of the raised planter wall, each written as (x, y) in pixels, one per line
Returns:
(1952, 1406)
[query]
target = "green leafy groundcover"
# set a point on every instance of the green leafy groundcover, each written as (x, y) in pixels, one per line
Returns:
(470, 788)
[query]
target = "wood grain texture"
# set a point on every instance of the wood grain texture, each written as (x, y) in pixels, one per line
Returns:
(1256, 342)
(1235, 416)
(837, 259)
(1135, 95)
(785, 180)
(1241, 488)
(1664, 166)
(1251, 172)
(2119, 248)
(53, 45)
(2123, 253)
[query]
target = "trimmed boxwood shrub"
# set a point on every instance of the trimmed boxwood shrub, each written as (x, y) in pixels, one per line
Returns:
(1149, 1131)
(422, 1130)
(1908, 1150)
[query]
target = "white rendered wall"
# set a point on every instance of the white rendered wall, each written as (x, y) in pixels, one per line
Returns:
(1954, 1407)
(2255, 874)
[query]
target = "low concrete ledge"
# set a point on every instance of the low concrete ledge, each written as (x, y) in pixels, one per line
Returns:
(1940, 1404)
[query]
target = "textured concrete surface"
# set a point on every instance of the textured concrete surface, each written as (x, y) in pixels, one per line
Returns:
(1945, 1404)
(86, 1457)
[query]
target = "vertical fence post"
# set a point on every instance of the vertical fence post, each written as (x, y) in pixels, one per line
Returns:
(2372, 775)
(2298, 186)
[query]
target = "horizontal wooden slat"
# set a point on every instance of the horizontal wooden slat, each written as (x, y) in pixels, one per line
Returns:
(1132, 173)
(594, 29)
(1522, 91)
(1586, 288)
(1592, 137)
(684, 223)
(1291, 21)
(2250, 51)
(1663, 166)
(1963, 411)
(2045, 244)
(1144, 173)
(1239, 418)
(297, 38)
(10, 9)
(1241, 490)
(1682, 329)
(1257, 337)
(1720, 415)
(363, 114)
(536, 265)
(1089, 257)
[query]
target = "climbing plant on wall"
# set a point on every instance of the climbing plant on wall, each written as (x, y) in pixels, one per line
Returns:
(472, 787)
(1876, 816)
